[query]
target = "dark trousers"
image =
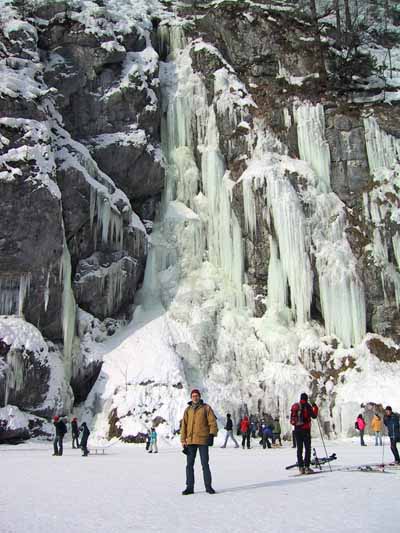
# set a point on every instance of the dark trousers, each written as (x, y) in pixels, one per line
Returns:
(394, 449)
(190, 459)
(75, 441)
(84, 448)
(294, 439)
(362, 437)
(303, 439)
(246, 437)
(276, 437)
(265, 441)
(58, 445)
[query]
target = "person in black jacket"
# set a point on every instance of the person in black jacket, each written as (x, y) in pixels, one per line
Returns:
(229, 431)
(392, 422)
(61, 430)
(75, 432)
(85, 435)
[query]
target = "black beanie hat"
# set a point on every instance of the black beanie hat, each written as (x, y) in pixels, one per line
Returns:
(304, 396)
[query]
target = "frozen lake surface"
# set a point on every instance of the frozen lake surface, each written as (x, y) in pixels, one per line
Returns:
(128, 489)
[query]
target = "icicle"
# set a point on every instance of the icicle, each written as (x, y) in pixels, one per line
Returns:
(341, 290)
(249, 206)
(68, 307)
(277, 280)
(47, 291)
(108, 222)
(383, 150)
(396, 248)
(313, 146)
(290, 228)
(13, 293)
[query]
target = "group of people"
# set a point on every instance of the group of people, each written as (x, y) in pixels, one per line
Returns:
(250, 427)
(392, 422)
(61, 430)
(151, 441)
(199, 427)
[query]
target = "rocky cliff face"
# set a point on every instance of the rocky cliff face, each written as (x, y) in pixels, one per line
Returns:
(274, 252)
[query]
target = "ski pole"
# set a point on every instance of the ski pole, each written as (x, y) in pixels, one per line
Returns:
(323, 443)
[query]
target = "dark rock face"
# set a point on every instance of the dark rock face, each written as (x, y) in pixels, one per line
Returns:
(103, 284)
(107, 102)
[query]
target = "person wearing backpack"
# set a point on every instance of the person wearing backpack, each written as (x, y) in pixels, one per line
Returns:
(360, 425)
(198, 427)
(61, 430)
(301, 414)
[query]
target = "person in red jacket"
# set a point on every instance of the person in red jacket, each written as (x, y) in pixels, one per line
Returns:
(300, 417)
(245, 431)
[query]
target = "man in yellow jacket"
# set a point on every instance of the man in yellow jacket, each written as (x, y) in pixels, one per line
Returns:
(198, 428)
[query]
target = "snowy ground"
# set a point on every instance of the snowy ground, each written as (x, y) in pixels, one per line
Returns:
(128, 489)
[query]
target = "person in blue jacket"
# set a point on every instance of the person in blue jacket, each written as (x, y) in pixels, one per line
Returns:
(392, 422)
(153, 441)
(266, 435)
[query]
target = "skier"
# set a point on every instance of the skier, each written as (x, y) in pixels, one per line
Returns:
(229, 431)
(392, 422)
(276, 432)
(376, 426)
(75, 433)
(198, 425)
(360, 425)
(253, 427)
(153, 441)
(84, 439)
(61, 430)
(301, 414)
(245, 431)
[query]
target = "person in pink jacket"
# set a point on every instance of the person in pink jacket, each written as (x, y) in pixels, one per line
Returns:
(360, 425)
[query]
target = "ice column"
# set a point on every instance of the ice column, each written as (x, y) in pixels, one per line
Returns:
(68, 308)
(383, 149)
(13, 293)
(341, 290)
(313, 146)
(290, 227)
(223, 232)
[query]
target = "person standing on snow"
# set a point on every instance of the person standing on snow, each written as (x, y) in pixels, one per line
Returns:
(376, 426)
(245, 431)
(276, 432)
(153, 441)
(229, 431)
(61, 430)
(392, 422)
(75, 433)
(301, 414)
(360, 425)
(198, 427)
(84, 439)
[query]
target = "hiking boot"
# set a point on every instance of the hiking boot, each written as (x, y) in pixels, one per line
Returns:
(187, 491)
(302, 470)
(210, 490)
(308, 470)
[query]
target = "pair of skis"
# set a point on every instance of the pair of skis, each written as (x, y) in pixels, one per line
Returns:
(317, 461)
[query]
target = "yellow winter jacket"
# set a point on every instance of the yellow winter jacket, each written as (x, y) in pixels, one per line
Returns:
(376, 424)
(198, 423)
